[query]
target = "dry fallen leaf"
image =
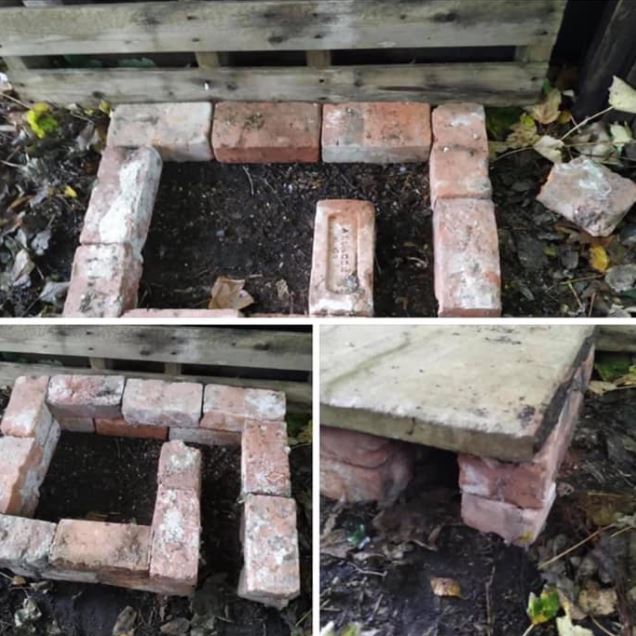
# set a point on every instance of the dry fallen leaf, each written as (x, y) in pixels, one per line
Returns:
(622, 96)
(596, 601)
(228, 293)
(550, 148)
(599, 260)
(548, 110)
(565, 627)
(443, 586)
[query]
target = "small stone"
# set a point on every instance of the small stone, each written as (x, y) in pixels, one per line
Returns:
(621, 278)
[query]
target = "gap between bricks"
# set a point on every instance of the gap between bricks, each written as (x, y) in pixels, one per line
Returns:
(108, 265)
(164, 557)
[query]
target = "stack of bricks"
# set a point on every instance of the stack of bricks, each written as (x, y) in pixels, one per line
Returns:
(357, 467)
(467, 270)
(514, 500)
(164, 556)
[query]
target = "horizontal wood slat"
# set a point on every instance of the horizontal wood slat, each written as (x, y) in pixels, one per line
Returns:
(488, 83)
(276, 25)
(186, 345)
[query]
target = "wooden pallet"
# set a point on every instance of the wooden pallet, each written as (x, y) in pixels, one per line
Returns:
(491, 51)
(210, 355)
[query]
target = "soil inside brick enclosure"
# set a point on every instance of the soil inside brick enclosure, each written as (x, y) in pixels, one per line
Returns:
(255, 222)
(114, 479)
(384, 583)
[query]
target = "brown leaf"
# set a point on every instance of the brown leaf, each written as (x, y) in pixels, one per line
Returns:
(443, 586)
(228, 293)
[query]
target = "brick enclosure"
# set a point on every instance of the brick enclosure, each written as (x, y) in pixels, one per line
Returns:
(163, 557)
(108, 265)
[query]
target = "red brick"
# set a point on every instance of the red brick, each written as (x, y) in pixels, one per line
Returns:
(376, 132)
(27, 414)
(467, 272)
(461, 124)
(176, 530)
(121, 204)
(19, 458)
(206, 436)
(225, 408)
(119, 427)
(158, 403)
(100, 550)
(180, 467)
(271, 572)
(265, 459)
(179, 131)
(458, 173)
(77, 424)
(343, 257)
(104, 281)
(86, 396)
(355, 448)
(25, 545)
(520, 526)
(182, 313)
(266, 132)
(528, 484)
(590, 195)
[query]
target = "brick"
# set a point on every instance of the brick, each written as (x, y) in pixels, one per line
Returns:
(458, 173)
(343, 256)
(180, 467)
(93, 551)
(265, 459)
(467, 271)
(176, 530)
(121, 204)
(158, 403)
(355, 448)
(271, 571)
(461, 124)
(206, 437)
(528, 484)
(77, 424)
(384, 482)
(19, 458)
(182, 313)
(27, 414)
(179, 131)
(225, 408)
(104, 281)
(520, 526)
(588, 194)
(25, 545)
(86, 396)
(266, 132)
(376, 132)
(119, 427)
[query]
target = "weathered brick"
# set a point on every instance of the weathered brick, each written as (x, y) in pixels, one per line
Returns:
(104, 281)
(588, 194)
(77, 424)
(86, 396)
(342, 262)
(119, 427)
(179, 131)
(27, 414)
(94, 551)
(265, 459)
(19, 458)
(205, 436)
(271, 571)
(176, 530)
(225, 408)
(376, 132)
(528, 484)
(458, 173)
(121, 204)
(467, 271)
(25, 545)
(158, 403)
(354, 447)
(182, 313)
(461, 124)
(266, 132)
(180, 467)
(520, 526)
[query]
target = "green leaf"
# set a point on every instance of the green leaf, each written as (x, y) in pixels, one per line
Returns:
(41, 122)
(136, 62)
(353, 629)
(611, 366)
(499, 119)
(358, 535)
(82, 61)
(545, 607)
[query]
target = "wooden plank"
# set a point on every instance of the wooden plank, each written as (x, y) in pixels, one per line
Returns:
(504, 83)
(616, 338)
(298, 393)
(186, 345)
(275, 25)
(100, 364)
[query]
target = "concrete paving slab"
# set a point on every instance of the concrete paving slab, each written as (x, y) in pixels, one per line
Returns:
(494, 391)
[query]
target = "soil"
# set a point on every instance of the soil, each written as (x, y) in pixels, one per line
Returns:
(124, 491)
(255, 222)
(384, 583)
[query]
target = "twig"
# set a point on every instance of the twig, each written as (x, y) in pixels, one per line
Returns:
(544, 564)
(489, 622)
(586, 120)
(249, 178)
(603, 629)
(530, 628)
